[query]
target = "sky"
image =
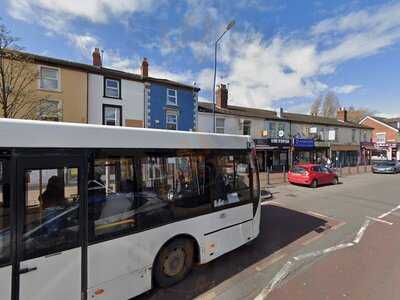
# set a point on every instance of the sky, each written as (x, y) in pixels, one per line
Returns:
(280, 53)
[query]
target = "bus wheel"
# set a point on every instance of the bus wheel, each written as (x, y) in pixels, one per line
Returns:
(174, 262)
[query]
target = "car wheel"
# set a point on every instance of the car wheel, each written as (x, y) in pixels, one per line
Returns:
(314, 183)
(174, 262)
(335, 181)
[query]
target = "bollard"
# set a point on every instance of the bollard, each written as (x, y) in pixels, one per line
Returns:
(340, 170)
(357, 169)
(268, 182)
(284, 174)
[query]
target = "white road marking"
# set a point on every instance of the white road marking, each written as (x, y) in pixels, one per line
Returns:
(389, 212)
(361, 232)
(263, 265)
(321, 252)
(379, 220)
(318, 214)
(277, 278)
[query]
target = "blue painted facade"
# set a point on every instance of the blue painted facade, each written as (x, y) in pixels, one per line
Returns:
(158, 108)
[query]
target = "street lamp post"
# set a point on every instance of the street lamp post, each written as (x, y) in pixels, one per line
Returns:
(228, 27)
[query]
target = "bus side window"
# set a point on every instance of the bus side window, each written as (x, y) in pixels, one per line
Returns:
(4, 223)
(231, 180)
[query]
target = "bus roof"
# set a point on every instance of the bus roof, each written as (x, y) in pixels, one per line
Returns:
(43, 134)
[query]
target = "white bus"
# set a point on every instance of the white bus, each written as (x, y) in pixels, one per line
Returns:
(101, 212)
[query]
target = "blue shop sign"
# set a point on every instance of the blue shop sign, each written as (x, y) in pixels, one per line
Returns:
(304, 143)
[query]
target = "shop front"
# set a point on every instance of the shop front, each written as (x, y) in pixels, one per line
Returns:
(322, 152)
(345, 155)
(367, 150)
(303, 151)
(273, 154)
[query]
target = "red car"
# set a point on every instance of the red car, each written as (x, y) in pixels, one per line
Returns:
(312, 175)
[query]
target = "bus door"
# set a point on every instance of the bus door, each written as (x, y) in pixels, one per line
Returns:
(49, 253)
(5, 231)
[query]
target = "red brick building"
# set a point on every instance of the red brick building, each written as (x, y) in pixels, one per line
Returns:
(385, 137)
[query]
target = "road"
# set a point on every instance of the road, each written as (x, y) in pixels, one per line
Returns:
(328, 243)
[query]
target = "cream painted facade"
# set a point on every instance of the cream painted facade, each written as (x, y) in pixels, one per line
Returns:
(70, 94)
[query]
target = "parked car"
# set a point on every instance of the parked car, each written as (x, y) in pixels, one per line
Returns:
(386, 167)
(312, 175)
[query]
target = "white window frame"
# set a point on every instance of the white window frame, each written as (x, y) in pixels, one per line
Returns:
(115, 107)
(59, 107)
(170, 113)
(40, 87)
(219, 129)
(112, 88)
(175, 97)
(380, 134)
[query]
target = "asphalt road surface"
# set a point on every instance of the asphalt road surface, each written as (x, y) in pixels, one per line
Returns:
(333, 242)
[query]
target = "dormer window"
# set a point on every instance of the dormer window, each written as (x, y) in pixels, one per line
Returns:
(172, 97)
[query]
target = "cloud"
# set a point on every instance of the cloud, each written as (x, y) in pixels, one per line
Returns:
(346, 89)
(85, 43)
(96, 11)
(261, 71)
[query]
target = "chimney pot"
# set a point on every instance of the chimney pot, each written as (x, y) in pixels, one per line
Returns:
(222, 96)
(144, 68)
(96, 57)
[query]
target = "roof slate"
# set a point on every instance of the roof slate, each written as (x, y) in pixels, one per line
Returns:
(272, 115)
(103, 70)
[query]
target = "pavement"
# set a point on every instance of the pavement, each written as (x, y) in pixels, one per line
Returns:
(332, 242)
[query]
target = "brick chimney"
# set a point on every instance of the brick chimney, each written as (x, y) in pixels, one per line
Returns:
(96, 57)
(222, 96)
(342, 114)
(144, 68)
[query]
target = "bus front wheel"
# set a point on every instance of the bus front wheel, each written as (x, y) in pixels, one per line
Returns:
(174, 262)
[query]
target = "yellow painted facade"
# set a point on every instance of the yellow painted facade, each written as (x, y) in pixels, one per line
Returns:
(72, 93)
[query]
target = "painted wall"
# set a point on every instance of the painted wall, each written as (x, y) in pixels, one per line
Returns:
(132, 101)
(157, 107)
(72, 93)
(232, 124)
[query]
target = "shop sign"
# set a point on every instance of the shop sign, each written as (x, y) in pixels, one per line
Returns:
(304, 143)
(321, 144)
(277, 142)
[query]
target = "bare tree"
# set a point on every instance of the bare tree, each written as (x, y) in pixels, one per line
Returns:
(330, 105)
(18, 75)
(316, 106)
(357, 114)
